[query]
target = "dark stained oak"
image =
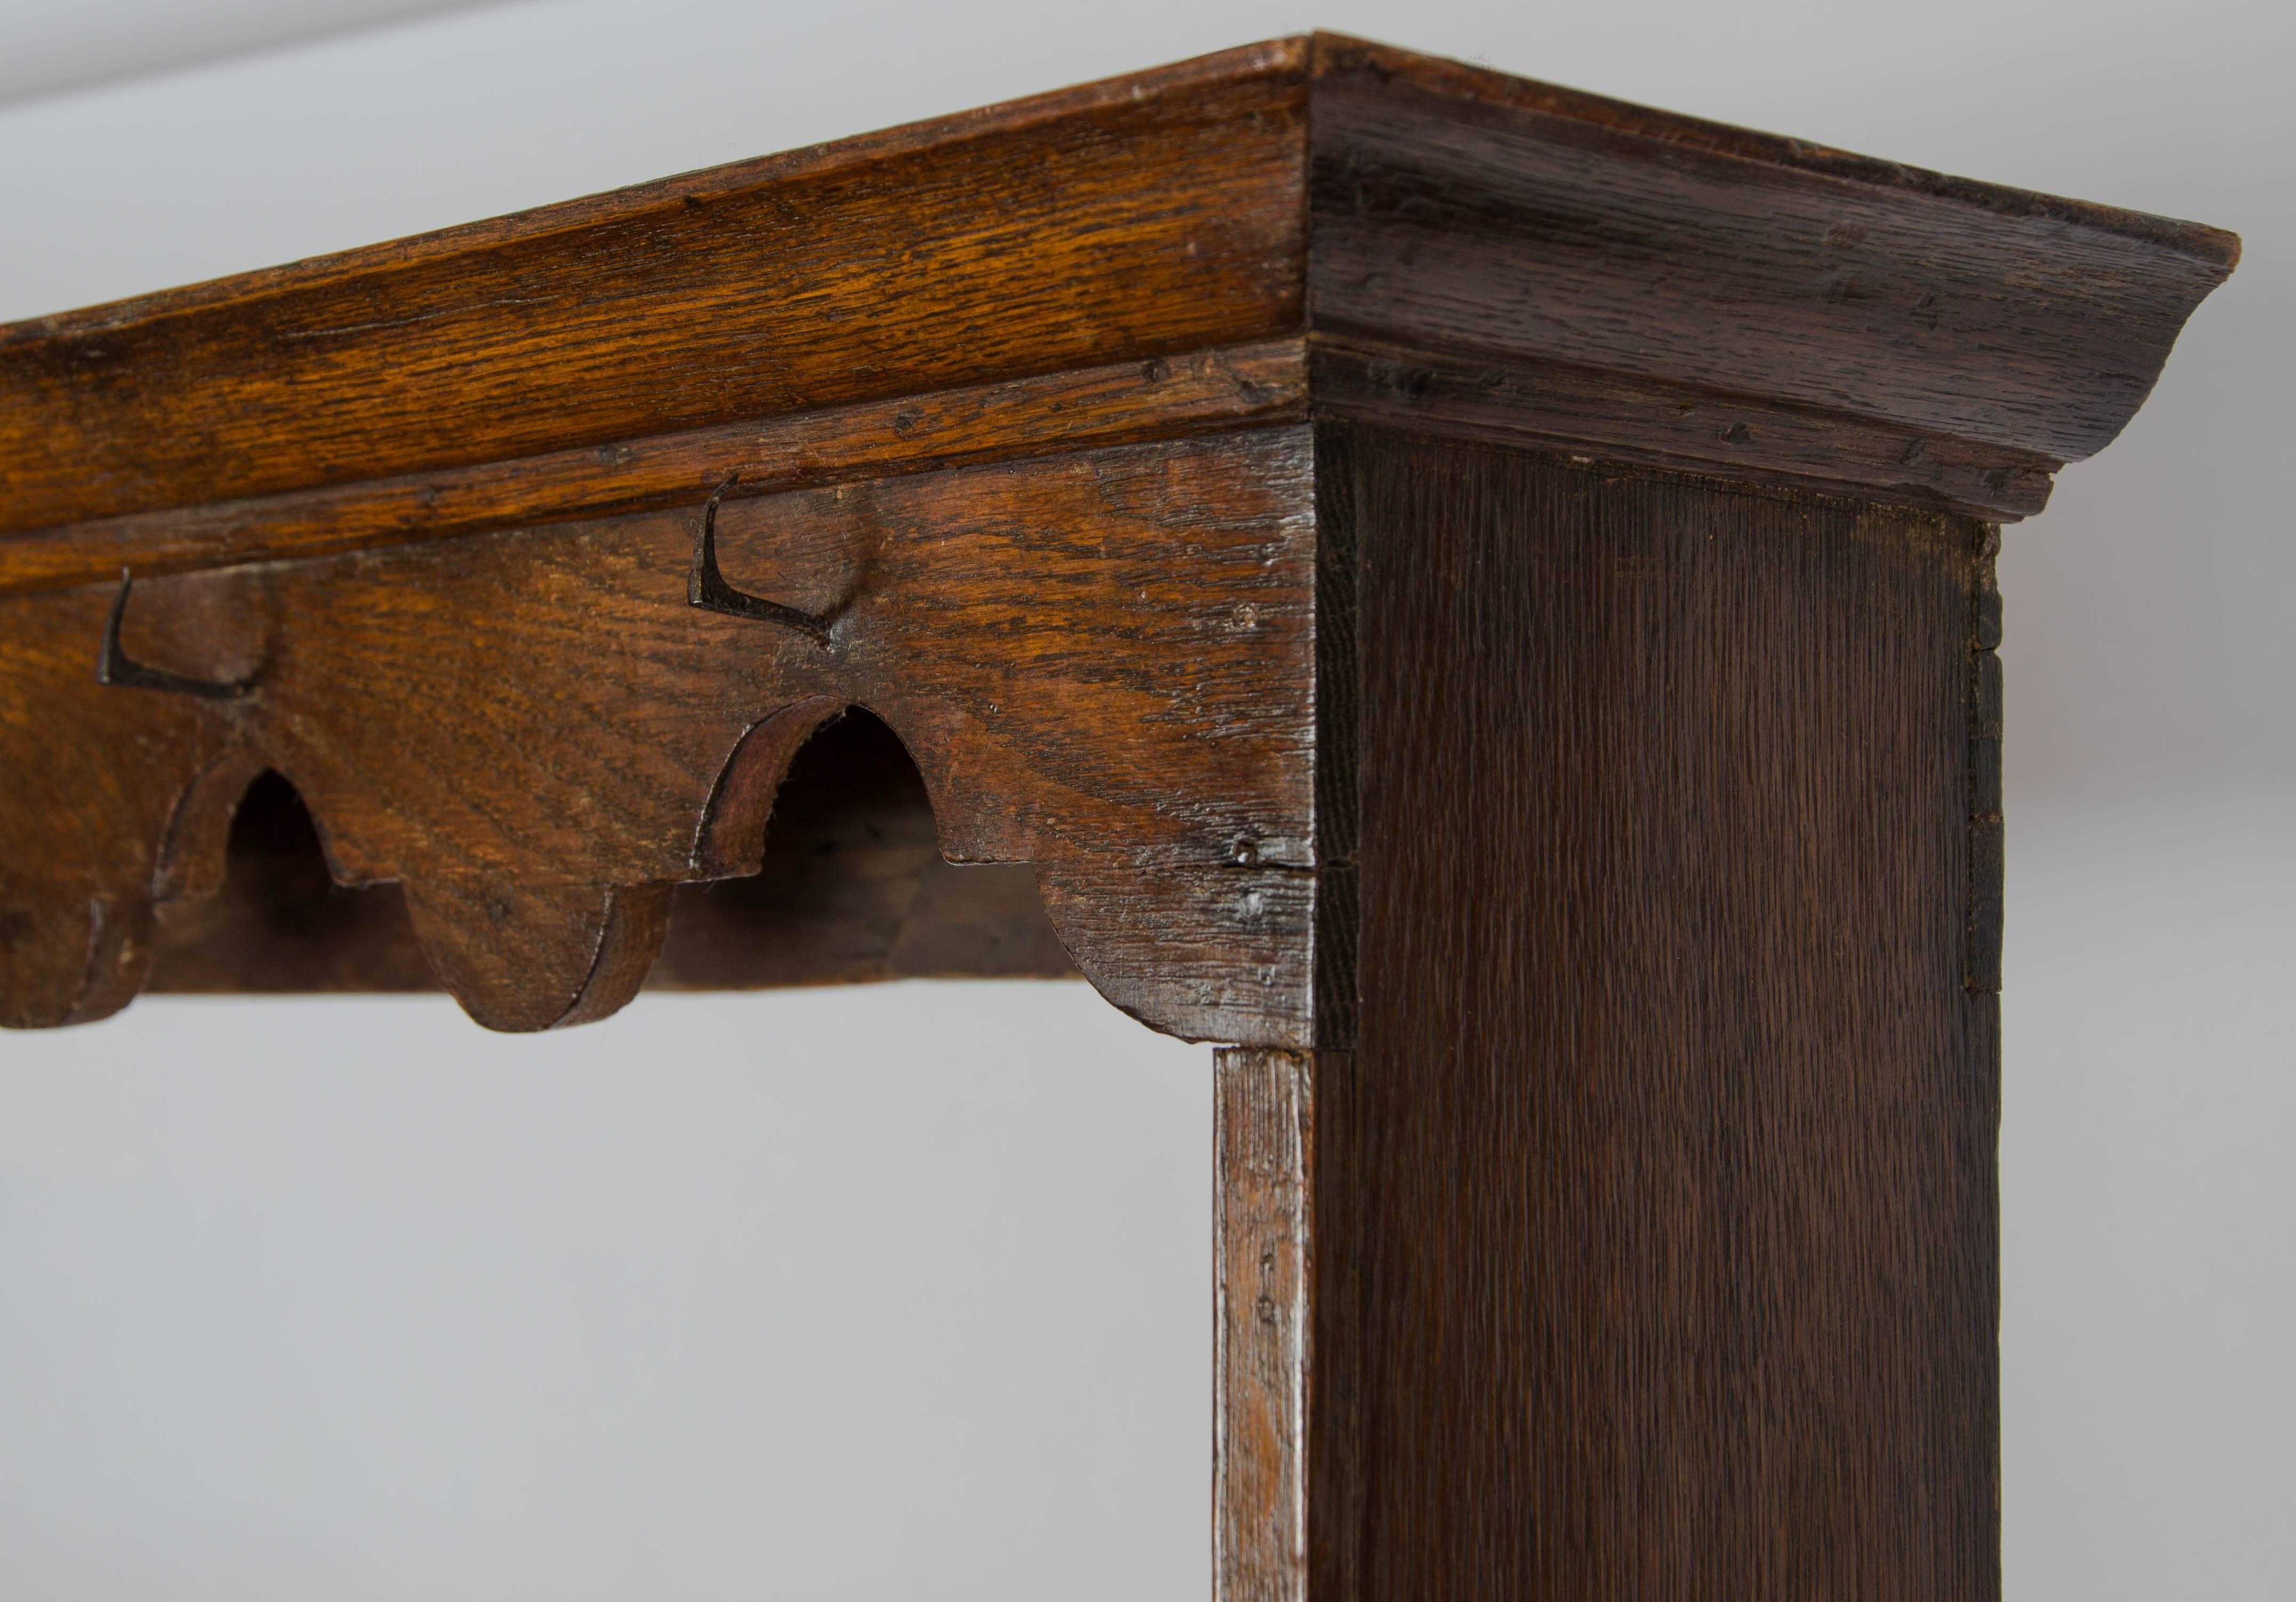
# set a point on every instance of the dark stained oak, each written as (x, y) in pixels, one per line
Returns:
(1475, 597)
(1315, 182)
(1554, 406)
(1471, 212)
(1653, 1209)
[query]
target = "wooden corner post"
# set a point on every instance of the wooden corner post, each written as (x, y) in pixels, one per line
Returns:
(1632, 1230)
(1476, 597)
(1638, 1237)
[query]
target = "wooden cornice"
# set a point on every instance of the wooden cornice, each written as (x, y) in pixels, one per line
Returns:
(1471, 251)
(1019, 423)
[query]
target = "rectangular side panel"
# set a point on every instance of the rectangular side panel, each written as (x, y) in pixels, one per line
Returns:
(1655, 1210)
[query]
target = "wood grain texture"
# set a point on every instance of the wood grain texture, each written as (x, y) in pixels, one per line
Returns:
(1803, 302)
(1654, 1208)
(1366, 64)
(1195, 392)
(1101, 664)
(1264, 1267)
(1986, 861)
(1140, 218)
(1554, 406)
(850, 887)
(1492, 218)
(89, 814)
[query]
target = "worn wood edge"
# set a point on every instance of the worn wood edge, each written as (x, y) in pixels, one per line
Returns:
(1117, 404)
(190, 863)
(578, 951)
(1616, 465)
(1339, 695)
(1330, 58)
(1981, 952)
(729, 837)
(1263, 1317)
(279, 924)
(1255, 988)
(1339, 56)
(1279, 59)
(98, 955)
(1569, 409)
(2064, 314)
(1205, 946)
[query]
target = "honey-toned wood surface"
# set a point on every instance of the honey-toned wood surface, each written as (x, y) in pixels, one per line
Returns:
(851, 886)
(1139, 217)
(1101, 664)
(1314, 183)
(1475, 596)
(427, 498)
(1156, 398)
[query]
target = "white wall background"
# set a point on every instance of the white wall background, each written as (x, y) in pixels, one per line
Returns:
(898, 1293)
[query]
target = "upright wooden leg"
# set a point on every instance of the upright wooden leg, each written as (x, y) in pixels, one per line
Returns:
(1648, 1239)
(1263, 1136)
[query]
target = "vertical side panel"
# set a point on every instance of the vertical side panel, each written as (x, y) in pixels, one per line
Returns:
(1663, 1170)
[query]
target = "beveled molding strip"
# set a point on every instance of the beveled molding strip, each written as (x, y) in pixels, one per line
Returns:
(1616, 416)
(1117, 404)
(1467, 251)
(1537, 404)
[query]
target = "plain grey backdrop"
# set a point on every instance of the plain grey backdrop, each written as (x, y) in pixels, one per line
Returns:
(880, 1294)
